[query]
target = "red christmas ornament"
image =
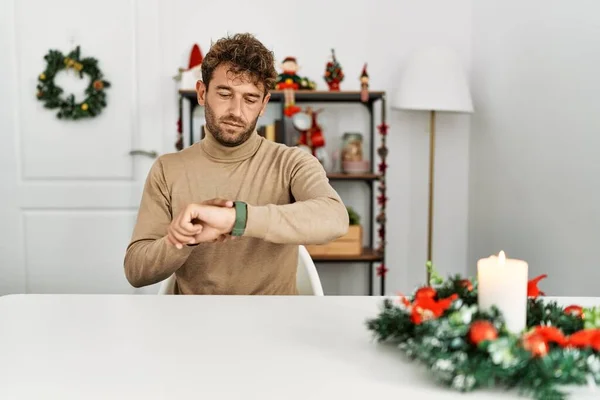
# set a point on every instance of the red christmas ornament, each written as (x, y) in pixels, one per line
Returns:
(536, 344)
(532, 289)
(482, 330)
(383, 129)
(575, 310)
(382, 270)
(334, 74)
(382, 167)
(466, 284)
(381, 199)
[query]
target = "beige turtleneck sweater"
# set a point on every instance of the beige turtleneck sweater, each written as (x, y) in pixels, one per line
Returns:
(290, 202)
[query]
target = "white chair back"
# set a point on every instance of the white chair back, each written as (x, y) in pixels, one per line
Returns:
(167, 286)
(307, 277)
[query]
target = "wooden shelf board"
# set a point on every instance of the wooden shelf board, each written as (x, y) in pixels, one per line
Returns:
(353, 177)
(367, 255)
(311, 96)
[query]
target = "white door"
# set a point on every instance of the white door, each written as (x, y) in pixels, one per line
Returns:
(70, 189)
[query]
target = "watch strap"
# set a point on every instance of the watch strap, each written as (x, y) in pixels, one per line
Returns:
(241, 213)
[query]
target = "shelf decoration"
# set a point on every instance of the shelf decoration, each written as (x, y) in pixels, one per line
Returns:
(466, 347)
(188, 77)
(364, 85)
(334, 74)
(353, 161)
(382, 151)
(289, 81)
(311, 134)
(51, 94)
(349, 245)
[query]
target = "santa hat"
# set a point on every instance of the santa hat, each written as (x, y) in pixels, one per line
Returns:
(288, 59)
(364, 72)
(195, 57)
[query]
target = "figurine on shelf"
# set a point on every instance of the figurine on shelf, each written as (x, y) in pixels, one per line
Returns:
(289, 81)
(193, 73)
(333, 73)
(311, 135)
(364, 85)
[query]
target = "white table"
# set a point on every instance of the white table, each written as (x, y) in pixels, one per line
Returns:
(205, 347)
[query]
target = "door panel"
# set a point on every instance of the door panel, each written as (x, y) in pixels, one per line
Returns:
(71, 189)
(92, 149)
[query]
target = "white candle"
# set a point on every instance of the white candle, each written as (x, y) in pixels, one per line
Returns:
(502, 282)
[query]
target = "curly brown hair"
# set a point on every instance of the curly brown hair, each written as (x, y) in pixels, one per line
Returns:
(244, 54)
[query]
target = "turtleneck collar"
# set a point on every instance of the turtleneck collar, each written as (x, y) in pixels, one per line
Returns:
(222, 153)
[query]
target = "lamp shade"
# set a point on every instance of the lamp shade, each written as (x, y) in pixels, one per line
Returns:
(433, 79)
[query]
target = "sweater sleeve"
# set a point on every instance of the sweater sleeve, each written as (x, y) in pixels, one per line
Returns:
(317, 216)
(150, 258)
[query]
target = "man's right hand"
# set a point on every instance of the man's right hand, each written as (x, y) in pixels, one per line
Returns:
(186, 226)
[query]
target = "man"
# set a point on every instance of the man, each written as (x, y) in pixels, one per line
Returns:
(233, 184)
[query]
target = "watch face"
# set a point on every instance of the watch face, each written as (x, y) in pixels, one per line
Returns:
(302, 121)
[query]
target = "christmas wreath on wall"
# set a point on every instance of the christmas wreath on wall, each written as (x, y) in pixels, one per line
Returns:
(52, 95)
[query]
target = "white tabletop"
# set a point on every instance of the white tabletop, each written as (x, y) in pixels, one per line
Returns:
(210, 347)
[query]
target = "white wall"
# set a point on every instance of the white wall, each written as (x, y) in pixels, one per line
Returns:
(381, 34)
(535, 137)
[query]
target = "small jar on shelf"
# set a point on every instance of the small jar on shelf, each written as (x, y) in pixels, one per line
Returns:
(352, 154)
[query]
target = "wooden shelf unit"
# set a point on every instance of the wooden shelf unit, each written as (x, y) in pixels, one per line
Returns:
(372, 254)
(310, 96)
(353, 177)
(368, 254)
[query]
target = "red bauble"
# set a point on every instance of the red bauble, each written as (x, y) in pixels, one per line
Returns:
(536, 344)
(482, 330)
(574, 310)
(466, 284)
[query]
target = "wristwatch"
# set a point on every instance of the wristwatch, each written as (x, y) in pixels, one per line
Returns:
(241, 215)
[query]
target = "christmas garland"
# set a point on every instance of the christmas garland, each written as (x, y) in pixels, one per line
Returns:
(465, 348)
(51, 94)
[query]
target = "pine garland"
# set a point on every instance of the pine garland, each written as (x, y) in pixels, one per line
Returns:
(51, 94)
(465, 348)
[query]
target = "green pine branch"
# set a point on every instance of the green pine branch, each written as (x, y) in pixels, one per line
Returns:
(444, 347)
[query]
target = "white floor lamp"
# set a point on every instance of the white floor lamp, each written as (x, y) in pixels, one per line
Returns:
(433, 80)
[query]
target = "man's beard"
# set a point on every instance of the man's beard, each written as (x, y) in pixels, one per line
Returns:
(222, 137)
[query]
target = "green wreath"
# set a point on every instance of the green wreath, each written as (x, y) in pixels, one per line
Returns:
(52, 95)
(467, 348)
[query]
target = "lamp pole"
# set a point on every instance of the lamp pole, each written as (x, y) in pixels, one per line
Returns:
(431, 188)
